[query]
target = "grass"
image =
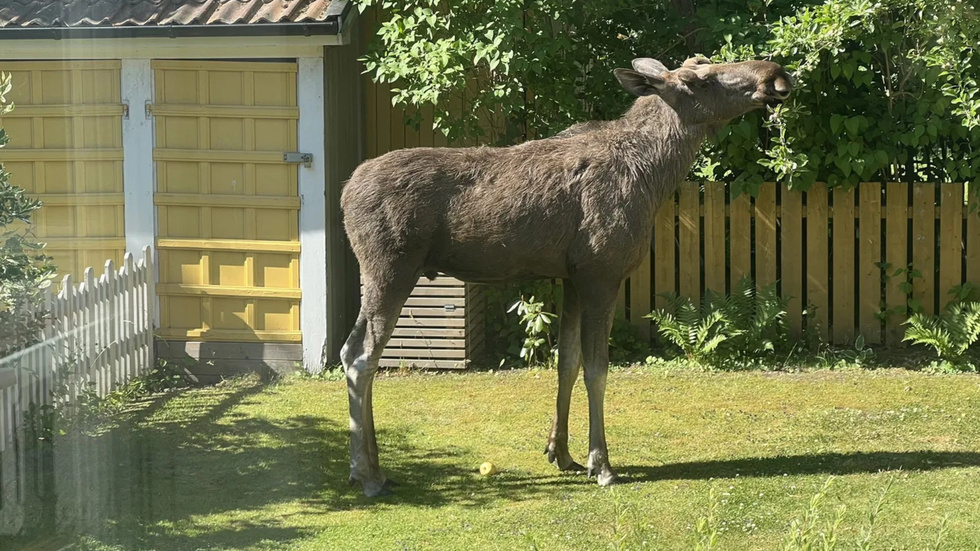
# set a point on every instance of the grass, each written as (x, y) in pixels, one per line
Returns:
(713, 461)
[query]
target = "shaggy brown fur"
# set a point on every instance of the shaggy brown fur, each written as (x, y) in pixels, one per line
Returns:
(580, 207)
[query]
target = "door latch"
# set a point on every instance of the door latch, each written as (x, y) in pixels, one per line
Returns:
(295, 157)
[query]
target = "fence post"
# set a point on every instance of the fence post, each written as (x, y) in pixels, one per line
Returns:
(149, 306)
(127, 321)
(111, 347)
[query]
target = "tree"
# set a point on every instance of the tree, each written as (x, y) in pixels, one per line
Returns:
(887, 89)
(25, 271)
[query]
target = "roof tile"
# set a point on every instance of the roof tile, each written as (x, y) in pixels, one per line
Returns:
(117, 13)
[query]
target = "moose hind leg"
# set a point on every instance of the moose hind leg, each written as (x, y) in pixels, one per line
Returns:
(569, 360)
(381, 306)
(597, 313)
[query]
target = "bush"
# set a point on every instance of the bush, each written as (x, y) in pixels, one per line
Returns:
(885, 90)
(524, 331)
(25, 271)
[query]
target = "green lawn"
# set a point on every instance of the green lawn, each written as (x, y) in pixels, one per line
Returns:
(251, 466)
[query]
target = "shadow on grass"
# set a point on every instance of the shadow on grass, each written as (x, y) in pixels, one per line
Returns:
(222, 468)
(822, 463)
(198, 472)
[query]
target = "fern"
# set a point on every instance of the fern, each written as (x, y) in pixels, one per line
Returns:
(950, 334)
(760, 318)
(757, 319)
(698, 334)
(744, 324)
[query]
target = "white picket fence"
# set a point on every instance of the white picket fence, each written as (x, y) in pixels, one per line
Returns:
(98, 335)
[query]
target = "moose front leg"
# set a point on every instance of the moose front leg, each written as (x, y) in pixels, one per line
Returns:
(597, 314)
(569, 359)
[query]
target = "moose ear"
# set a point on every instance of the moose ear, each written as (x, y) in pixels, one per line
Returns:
(639, 84)
(649, 66)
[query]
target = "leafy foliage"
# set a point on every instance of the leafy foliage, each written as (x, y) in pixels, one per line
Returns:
(76, 405)
(744, 325)
(837, 357)
(890, 88)
(505, 337)
(498, 60)
(756, 319)
(537, 347)
(950, 334)
(25, 271)
(886, 89)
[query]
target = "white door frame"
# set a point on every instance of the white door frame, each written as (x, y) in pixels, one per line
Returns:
(139, 184)
(312, 214)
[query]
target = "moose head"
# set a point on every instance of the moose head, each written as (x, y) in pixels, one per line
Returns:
(709, 93)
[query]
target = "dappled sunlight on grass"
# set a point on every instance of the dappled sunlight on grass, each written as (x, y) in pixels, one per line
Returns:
(246, 465)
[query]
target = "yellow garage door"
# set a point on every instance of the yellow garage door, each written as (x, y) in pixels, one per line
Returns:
(66, 150)
(227, 204)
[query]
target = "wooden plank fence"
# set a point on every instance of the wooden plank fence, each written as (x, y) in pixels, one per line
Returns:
(835, 253)
(98, 336)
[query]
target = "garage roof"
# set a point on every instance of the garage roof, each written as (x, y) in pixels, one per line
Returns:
(105, 18)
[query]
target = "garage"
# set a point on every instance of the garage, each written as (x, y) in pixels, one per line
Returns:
(217, 132)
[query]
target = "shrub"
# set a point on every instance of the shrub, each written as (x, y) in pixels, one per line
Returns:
(506, 336)
(626, 345)
(885, 90)
(698, 332)
(532, 340)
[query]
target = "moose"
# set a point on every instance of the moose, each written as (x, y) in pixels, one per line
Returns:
(579, 207)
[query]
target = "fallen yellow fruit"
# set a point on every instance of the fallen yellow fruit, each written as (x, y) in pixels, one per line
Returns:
(488, 469)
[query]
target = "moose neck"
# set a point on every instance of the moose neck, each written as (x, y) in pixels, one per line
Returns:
(661, 146)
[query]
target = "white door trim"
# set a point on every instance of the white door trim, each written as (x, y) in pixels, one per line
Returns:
(312, 213)
(136, 78)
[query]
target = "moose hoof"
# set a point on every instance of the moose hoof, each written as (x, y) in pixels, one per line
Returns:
(374, 487)
(566, 464)
(377, 490)
(604, 476)
(571, 467)
(608, 479)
